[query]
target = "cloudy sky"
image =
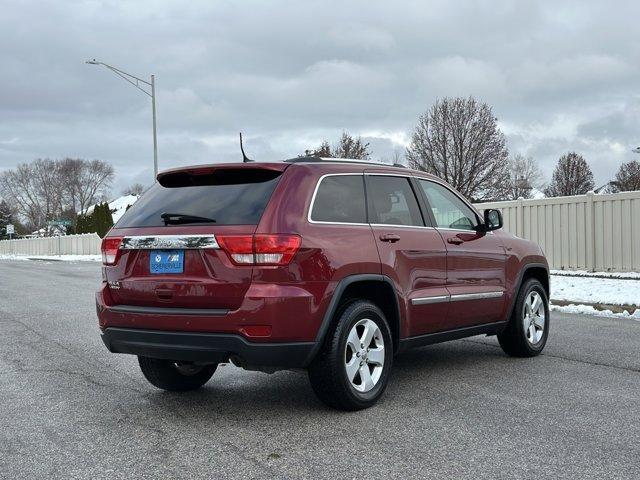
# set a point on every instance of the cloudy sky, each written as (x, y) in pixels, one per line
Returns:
(559, 76)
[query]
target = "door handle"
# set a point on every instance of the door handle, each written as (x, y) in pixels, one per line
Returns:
(390, 237)
(455, 240)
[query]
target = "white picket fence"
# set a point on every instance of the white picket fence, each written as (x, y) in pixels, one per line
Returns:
(584, 232)
(83, 244)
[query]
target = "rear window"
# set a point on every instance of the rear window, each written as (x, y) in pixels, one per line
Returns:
(224, 196)
(340, 199)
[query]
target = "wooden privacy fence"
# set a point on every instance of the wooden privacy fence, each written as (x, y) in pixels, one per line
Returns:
(584, 232)
(83, 244)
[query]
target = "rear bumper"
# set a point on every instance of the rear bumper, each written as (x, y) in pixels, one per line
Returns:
(206, 347)
(291, 313)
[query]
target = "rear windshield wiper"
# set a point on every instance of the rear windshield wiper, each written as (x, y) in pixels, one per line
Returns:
(178, 218)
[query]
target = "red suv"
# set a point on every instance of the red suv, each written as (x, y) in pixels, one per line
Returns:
(329, 265)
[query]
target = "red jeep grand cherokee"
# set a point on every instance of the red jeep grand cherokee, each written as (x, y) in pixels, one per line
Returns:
(329, 265)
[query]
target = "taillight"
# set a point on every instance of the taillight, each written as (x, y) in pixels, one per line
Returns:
(239, 247)
(275, 249)
(260, 249)
(110, 249)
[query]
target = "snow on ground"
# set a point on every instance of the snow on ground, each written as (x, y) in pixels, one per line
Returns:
(584, 273)
(583, 289)
(65, 258)
(589, 310)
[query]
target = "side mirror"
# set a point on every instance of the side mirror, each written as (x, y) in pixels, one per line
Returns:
(492, 219)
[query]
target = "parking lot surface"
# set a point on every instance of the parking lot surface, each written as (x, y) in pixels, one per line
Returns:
(70, 409)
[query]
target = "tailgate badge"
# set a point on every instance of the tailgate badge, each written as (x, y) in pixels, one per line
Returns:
(114, 285)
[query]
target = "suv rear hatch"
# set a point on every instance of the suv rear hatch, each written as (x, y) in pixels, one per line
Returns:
(189, 241)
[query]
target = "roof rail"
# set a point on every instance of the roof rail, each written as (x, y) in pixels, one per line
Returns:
(313, 159)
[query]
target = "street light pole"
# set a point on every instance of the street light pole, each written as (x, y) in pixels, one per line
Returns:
(136, 81)
(155, 136)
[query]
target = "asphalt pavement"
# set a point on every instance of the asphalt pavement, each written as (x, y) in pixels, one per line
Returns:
(71, 409)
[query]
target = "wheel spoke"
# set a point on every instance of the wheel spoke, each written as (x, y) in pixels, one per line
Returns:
(376, 356)
(353, 340)
(532, 333)
(365, 377)
(368, 333)
(528, 306)
(537, 302)
(352, 368)
(538, 321)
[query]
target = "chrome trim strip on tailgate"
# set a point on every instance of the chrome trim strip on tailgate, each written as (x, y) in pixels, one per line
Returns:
(475, 296)
(213, 312)
(169, 242)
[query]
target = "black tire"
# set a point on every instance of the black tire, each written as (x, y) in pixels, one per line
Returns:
(327, 372)
(513, 339)
(173, 376)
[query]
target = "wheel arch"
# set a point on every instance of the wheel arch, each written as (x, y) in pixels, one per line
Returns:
(372, 287)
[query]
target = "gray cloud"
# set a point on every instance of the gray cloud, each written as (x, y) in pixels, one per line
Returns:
(560, 76)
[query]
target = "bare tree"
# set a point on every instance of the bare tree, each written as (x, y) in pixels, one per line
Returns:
(628, 177)
(44, 189)
(20, 189)
(135, 189)
(524, 176)
(350, 147)
(324, 150)
(458, 140)
(572, 176)
(49, 186)
(85, 181)
(398, 157)
(347, 147)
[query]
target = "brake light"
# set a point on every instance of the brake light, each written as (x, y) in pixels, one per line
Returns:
(239, 247)
(260, 249)
(275, 249)
(110, 250)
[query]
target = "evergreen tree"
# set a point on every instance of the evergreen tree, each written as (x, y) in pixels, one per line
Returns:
(5, 218)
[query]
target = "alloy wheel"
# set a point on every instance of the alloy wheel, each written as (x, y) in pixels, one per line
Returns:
(534, 317)
(364, 355)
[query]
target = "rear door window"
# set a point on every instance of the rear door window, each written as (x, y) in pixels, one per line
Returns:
(340, 199)
(222, 197)
(392, 201)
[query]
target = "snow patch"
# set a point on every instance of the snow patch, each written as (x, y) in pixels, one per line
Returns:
(64, 258)
(585, 273)
(537, 194)
(588, 289)
(589, 310)
(118, 206)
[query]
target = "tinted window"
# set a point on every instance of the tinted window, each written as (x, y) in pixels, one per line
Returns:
(340, 198)
(392, 201)
(230, 197)
(449, 210)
